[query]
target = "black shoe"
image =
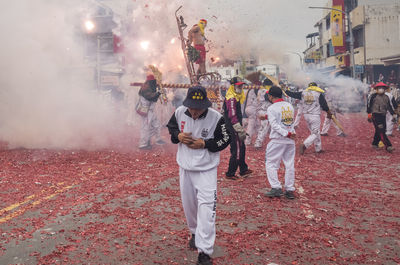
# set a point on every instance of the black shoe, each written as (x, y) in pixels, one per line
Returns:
(160, 142)
(192, 243)
(274, 193)
(289, 194)
(390, 149)
(246, 173)
(376, 147)
(324, 134)
(145, 147)
(204, 259)
(231, 177)
(342, 135)
(320, 151)
(302, 149)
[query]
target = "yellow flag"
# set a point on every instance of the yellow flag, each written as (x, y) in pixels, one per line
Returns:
(337, 27)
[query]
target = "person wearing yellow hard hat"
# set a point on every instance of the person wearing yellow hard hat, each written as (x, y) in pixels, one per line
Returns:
(313, 100)
(197, 38)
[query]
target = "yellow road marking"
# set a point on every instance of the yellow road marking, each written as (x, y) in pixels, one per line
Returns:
(15, 205)
(34, 203)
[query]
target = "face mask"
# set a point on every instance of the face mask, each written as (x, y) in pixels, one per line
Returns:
(381, 90)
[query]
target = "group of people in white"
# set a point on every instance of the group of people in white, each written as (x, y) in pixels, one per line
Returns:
(201, 133)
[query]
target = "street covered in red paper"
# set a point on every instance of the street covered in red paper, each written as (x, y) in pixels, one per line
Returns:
(152, 132)
(122, 206)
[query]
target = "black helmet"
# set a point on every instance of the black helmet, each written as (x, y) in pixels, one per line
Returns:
(312, 84)
(267, 82)
(235, 80)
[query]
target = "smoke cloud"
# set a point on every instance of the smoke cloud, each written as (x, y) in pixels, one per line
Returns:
(47, 97)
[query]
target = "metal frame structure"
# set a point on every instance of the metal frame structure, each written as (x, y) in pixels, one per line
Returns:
(211, 77)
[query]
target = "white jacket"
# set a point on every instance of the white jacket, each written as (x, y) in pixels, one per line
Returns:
(281, 118)
(310, 100)
(210, 127)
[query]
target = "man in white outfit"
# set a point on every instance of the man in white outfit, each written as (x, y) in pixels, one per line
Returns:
(313, 100)
(251, 106)
(332, 104)
(281, 147)
(263, 106)
(298, 114)
(148, 96)
(390, 119)
(201, 134)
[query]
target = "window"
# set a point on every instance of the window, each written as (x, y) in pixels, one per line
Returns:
(350, 5)
(328, 22)
(358, 38)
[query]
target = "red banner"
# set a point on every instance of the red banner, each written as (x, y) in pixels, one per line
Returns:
(118, 44)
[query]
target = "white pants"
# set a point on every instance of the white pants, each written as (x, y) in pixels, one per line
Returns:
(327, 125)
(150, 127)
(314, 124)
(199, 200)
(252, 124)
(262, 131)
(389, 123)
(298, 116)
(275, 153)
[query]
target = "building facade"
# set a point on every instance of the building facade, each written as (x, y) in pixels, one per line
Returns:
(376, 34)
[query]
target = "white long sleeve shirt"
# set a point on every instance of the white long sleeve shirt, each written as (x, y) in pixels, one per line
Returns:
(210, 127)
(281, 118)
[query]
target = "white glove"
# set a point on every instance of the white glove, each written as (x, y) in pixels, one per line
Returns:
(240, 131)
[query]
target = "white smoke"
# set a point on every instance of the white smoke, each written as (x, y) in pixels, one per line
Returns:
(351, 93)
(47, 97)
(235, 30)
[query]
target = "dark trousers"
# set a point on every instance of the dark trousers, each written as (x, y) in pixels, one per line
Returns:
(238, 155)
(379, 121)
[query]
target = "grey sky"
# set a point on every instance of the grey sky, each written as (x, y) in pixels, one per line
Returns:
(285, 21)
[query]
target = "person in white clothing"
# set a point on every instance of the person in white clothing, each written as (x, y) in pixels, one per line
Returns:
(148, 96)
(251, 105)
(263, 106)
(313, 100)
(298, 114)
(390, 119)
(281, 147)
(200, 133)
(332, 104)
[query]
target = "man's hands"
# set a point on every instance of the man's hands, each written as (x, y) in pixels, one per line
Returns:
(197, 144)
(369, 117)
(292, 136)
(263, 117)
(329, 114)
(186, 138)
(240, 131)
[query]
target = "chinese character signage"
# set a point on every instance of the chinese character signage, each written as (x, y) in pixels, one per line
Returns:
(337, 27)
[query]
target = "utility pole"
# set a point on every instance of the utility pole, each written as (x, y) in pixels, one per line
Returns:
(301, 59)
